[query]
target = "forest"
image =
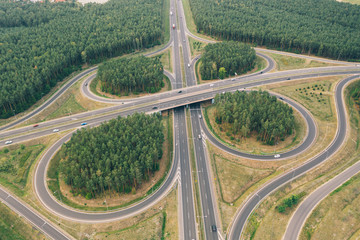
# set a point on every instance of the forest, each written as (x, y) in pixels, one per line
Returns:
(42, 43)
(117, 156)
(256, 112)
(131, 75)
(322, 27)
(224, 59)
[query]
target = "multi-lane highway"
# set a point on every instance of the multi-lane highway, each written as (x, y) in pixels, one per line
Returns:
(174, 99)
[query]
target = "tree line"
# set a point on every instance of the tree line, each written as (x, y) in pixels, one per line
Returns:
(224, 59)
(45, 42)
(117, 156)
(256, 112)
(126, 75)
(321, 27)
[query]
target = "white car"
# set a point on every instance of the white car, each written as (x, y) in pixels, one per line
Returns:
(171, 13)
(188, 64)
(56, 130)
(199, 136)
(276, 155)
(200, 116)
(211, 85)
(8, 142)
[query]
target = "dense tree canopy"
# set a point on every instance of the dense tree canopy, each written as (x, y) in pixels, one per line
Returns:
(242, 113)
(125, 75)
(323, 27)
(40, 43)
(116, 156)
(225, 59)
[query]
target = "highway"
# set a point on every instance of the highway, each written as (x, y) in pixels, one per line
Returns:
(25, 211)
(172, 100)
(258, 196)
(186, 195)
(305, 208)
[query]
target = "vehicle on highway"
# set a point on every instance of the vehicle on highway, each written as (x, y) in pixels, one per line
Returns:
(276, 155)
(180, 91)
(261, 72)
(83, 124)
(155, 107)
(281, 98)
(288, 78)
(36, 125)
(200, 116)
(56, 130)
(188, 64)
(233, 79)
(85, 84)
(173, 26)
(213, 228)
(171, 13)
(211, 85)
(199, 136)
(184, 40)
(8, 142)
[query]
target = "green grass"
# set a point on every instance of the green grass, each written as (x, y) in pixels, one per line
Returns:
(286, 62)
(20, 161)
(342, 186)
(70, 106)
(146, 229)
(165, 59)
(54, 184)
(13, 227)
(196, 47)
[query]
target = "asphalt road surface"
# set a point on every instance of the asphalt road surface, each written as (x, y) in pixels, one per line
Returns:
(256, 198)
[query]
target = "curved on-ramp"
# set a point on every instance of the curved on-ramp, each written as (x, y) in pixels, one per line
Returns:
(246, 210)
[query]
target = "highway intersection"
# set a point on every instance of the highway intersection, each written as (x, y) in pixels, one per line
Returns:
(191, 95)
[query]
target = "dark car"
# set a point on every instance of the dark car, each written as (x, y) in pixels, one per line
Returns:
(281, 98)
(154, 107)
(261, 72)
(288, 78)
(213, 228)
(180, 91)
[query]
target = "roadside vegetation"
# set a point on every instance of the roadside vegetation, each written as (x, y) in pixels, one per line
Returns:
(267, 222)
(13, 227)
(109, 32)
(284, 62)
(298, 27)
(15, 164)
(221, 60)
(131, 75)
(242, 114)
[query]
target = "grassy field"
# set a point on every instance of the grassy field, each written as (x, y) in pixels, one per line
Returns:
(13, 227)
(268, 223)
(196, 47)
(286, 63)
(15, 164)
(166, 59)
(251, 145)
(314, 94)
(234, 178)
(63, 192)
(160, 224)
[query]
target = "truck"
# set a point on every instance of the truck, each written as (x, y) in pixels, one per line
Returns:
(173, 26)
